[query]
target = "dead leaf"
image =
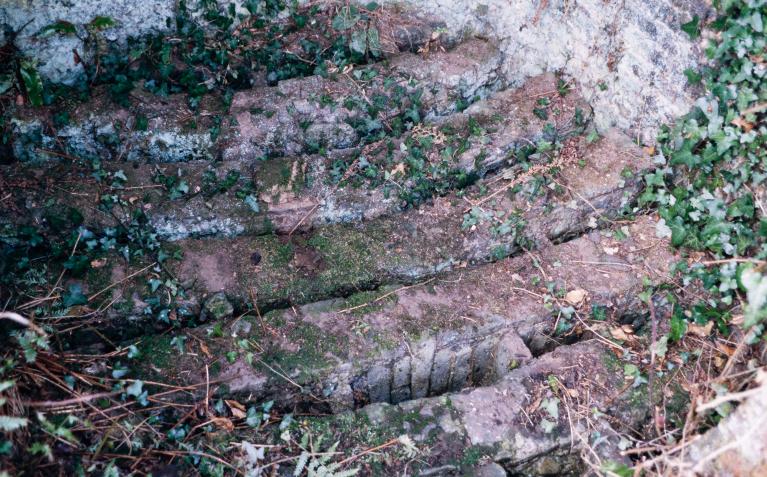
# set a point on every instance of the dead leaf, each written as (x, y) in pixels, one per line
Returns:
(649, 150)
(576, 297)
(726, 349)
(205, 350)
(237, 409)
(98, 263)
(743, 124)
(701, 331)
(223, 423)
(619, 334)
(399, 168)
(718, 361)
(610, 250)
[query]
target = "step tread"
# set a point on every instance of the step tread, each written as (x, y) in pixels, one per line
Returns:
(330, 346)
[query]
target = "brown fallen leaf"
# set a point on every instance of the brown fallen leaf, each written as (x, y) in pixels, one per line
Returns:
(743, 124)
(237, 409)
(223, 423)
(619, 334)
(399, 168)
(98, 263)
(576, 297)
(205, 350)
(701, 331)
(725, 348)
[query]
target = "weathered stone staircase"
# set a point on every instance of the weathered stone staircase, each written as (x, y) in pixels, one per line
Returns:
(305, 281)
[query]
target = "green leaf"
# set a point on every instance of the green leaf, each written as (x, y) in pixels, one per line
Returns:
(548, 426)
(551, 406)
(756, 22)
(660, 347)
(100, 23)
(692, 28)
(253, 418)
(74, 296)
(119, 371)
(61, 27)
(252, 202)
(620, 469)
(358, 42)
(133, 352)
(33, 84)
(374, 42)
(135, 389)
(10, 423)
(346, 18)
(141, 123)
(6, 83)
(693, 77)
(742, 207)
(678, 327)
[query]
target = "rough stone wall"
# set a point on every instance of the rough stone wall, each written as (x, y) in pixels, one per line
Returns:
(54, 52)
(628, 56)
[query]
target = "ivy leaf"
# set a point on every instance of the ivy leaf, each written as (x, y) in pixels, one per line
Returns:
(347, 17)
(74, 296)
(119, 371)
(551, 406)
(678, 327)
(548, 426)
(252, 202)
(692, 28)
(660, 347)
(254, 417)
(154, 284)
(374, 42)
(33, 84)
(693, 77)
(6, 83)
(135, 389)
(10, 423)
(742, 207)
(61, 27)
(133, 352)
(358, 42)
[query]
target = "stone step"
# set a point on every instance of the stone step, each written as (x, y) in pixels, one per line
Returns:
(298, 115)
(339, 260)
(466, 329)
(246, 196)
(535, 421)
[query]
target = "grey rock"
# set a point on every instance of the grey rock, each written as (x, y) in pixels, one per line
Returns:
(510, 353)
(379, 383)
(401, 381)
(440, 372)
(490, 470)
(628, 57)
(482, 366)
(423, 357)
(459, 375)
(53, 52)
(376, 412)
